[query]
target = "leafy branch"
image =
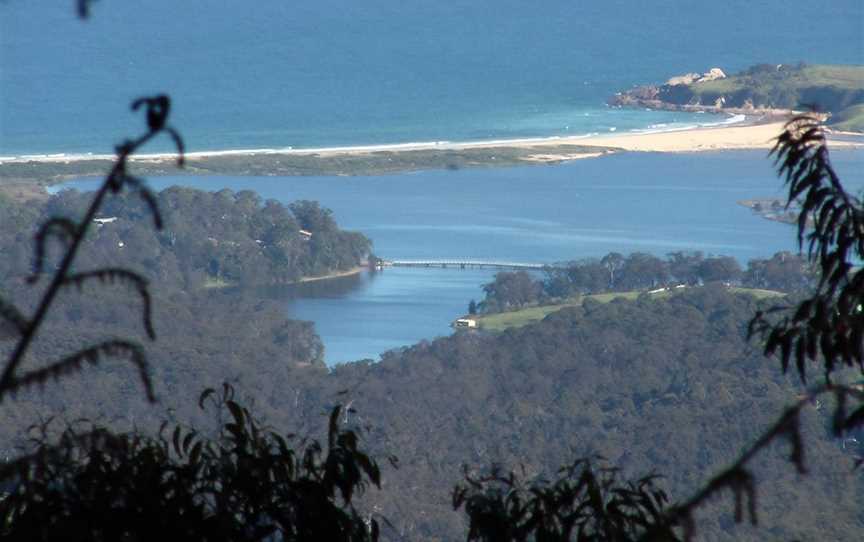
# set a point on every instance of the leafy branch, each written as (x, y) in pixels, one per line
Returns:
(828, 326)
(587, 504)
(738, 478)
(71, 234)
(248, 483)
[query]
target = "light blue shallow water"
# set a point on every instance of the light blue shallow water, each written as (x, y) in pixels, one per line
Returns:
(274, 73)
(656, 203)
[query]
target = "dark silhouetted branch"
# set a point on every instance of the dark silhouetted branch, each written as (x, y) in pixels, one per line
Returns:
(737, 477)
(72, 234)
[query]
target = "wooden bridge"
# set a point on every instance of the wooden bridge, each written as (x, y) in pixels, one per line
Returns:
(463, 264)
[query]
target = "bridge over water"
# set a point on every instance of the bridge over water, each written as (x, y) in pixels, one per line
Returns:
(465, 264)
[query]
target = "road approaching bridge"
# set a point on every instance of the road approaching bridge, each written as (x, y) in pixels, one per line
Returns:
(463, 264)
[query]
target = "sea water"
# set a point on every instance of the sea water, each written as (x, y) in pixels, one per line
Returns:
(274, 73)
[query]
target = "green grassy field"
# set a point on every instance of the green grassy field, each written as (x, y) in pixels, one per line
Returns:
(829, 87)
(505, 320)
(757, 292)
(819, 75)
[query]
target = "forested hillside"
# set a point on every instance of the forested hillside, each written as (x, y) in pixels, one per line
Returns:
(222, 237)
(205, 335)
(652, 385)
(784, 272)
(670, 386)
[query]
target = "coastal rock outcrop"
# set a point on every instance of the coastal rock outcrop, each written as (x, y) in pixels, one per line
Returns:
(765, 89)
(690, 78)
(674, 94)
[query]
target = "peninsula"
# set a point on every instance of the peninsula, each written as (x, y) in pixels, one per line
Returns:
(764, 89)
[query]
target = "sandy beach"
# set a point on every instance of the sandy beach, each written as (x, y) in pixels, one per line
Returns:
(714, 138)
(756, 136)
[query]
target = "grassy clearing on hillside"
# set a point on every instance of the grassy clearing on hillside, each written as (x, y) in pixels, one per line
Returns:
(758, 293)
(505, 320)
(826, 87)
(841, 77)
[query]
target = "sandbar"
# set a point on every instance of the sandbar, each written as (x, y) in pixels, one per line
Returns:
(382, 159)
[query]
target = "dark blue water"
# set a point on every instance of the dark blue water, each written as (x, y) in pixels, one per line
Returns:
(274, 73)
(656, 203)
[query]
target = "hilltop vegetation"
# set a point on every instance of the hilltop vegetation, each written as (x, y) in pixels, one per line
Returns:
(223, 236)
(500, 321)
(621, 379)
(617, 275)
(205, 336)
(830, 88)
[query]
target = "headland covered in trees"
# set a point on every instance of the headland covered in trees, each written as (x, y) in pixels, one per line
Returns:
(629, 276)
(212, 238)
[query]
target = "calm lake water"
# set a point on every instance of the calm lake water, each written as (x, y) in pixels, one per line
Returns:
(656, 203)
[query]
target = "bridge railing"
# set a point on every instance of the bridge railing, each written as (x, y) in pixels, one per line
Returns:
(464, 264)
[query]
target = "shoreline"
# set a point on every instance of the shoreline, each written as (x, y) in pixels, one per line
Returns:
(218, 284)
(745, 134)
(335, 275)
(591, 139)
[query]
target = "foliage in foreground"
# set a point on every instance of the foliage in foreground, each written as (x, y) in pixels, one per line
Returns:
(247, 483)
(586, 504)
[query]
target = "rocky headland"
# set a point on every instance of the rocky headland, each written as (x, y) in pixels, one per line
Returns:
(766, 92)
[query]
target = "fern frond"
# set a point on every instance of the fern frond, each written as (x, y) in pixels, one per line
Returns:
(93, 355)
(147, 195)
(157, 109)
(63, 229)
(12, 315)
(178, 142)
(117, 274)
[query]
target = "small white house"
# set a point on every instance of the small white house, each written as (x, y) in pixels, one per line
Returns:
(465, 322)
(103, 221)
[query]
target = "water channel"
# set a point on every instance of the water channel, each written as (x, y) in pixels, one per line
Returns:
(656, 203)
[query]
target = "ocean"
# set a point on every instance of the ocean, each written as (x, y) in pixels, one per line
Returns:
(278, 74)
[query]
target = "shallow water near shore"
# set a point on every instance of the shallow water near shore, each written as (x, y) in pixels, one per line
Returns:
(646, 202)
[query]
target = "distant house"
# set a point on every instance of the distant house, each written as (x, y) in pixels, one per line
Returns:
(103, 221)
(465, 322)
(306, 234)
